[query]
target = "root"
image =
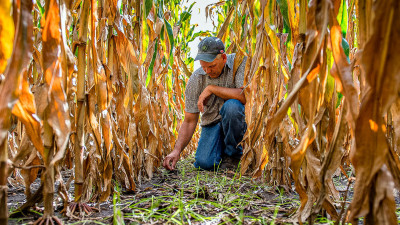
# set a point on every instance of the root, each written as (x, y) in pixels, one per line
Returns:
(48, 220)
(32, 200)
(79, 208)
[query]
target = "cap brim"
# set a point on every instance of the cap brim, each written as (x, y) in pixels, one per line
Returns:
(205, 57)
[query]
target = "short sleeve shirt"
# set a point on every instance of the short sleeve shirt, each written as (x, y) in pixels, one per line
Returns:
(199, 80)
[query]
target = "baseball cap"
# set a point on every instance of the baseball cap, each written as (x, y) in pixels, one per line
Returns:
(209, 48)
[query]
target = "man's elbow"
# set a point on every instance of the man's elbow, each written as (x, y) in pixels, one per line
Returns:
(242, 97)
(243, 100)
(191, 118)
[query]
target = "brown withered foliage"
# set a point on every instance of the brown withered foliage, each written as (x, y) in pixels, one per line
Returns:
(98, 86)
(300, 128)
(94, 85)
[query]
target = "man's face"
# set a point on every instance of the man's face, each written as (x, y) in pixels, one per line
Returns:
(214, 68)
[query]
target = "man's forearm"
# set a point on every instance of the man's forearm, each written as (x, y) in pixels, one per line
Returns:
(228, 93)
(184, 135)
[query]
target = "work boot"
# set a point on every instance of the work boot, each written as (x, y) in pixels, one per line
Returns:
(229, 163)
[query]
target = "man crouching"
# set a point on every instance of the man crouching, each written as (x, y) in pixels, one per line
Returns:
(218, 94)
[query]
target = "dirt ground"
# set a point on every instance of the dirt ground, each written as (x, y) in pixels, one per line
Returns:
(190, 196)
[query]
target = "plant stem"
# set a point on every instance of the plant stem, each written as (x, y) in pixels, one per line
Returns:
(80, 122)
(3, 182)
(48, 176)
(303, 17)
(81, 103)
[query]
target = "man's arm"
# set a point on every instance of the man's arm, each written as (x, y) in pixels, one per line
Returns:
(185, 134)
(222, 92)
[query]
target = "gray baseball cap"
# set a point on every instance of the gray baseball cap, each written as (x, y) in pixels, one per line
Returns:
(209, 48)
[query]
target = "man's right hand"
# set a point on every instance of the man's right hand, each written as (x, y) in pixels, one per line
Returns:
(171, 160)
(185, 133)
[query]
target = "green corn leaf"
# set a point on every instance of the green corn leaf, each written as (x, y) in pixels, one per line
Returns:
(162, 31)
(190, 32)
(151, 67)
(284, 11)
(186, 14)
(41, 8)
(170, 35)
(346, 48)
(200, 34)
(147, 7)
(343, 17)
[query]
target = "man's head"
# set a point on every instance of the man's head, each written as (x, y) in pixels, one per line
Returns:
(212, 56)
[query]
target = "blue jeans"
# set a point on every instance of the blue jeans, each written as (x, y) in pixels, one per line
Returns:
(222, 139)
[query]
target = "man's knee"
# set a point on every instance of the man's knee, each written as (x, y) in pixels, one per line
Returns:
(232, 107)
(205, 164)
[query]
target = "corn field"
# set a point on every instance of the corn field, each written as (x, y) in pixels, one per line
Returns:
(98, 87)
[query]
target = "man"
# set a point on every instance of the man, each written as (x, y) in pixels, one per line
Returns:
(217, 93)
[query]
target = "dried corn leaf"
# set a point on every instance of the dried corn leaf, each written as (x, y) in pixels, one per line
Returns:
(25, 110)
(6, 34)
(383, 76)
(395, 110)
(58, 117)
(9, 89)
(342, 72)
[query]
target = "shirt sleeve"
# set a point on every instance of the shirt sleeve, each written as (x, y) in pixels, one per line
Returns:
(192, 94)
(239, 78)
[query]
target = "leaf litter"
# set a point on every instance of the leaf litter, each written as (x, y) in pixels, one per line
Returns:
(191, 196)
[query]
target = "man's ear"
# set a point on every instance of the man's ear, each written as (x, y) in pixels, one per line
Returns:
(224, 57)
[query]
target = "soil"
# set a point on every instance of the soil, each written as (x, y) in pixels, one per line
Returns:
(189, 196)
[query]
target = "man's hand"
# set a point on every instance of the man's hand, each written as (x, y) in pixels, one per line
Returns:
(222, 92)
(185, 133)
(203, 98)
(171, 159)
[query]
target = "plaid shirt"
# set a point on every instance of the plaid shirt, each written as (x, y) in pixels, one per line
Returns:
(199, 80)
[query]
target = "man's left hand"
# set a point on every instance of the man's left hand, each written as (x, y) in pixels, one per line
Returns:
(203, 98)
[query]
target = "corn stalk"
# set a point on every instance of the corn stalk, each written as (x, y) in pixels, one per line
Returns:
(81, 103)
(372, 198)
(56, 123)
(317, 118)
(134, 84)
(9, 89)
